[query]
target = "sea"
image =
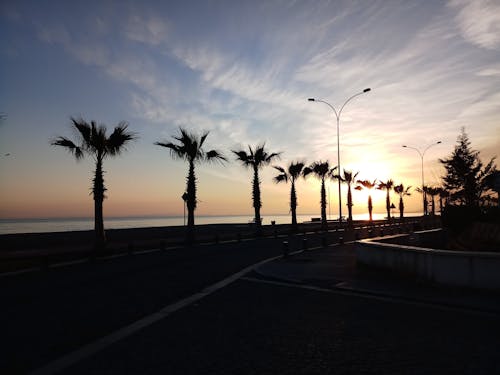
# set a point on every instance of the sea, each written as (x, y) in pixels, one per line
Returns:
(10, 226)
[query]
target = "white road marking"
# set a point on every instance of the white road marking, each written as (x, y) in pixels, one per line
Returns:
(379, 297)
(102, 343)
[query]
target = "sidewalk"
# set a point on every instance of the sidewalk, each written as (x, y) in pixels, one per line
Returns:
(334, 267)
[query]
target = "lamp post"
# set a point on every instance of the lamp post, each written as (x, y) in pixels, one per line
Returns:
(337, 115)
(424, 195)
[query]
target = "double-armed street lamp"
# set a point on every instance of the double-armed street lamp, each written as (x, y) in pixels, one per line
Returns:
(424, 195)
(337, 115)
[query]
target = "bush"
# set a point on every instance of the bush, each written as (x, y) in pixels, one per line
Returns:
(458, 218)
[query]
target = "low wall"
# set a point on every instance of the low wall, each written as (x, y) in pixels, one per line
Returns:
(458, 268)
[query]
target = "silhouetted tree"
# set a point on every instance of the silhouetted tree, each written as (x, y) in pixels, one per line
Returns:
(189, 147)
(92, 140)
(433, 192)
(402, 192)
(349, 178)
(466, 176)
(387, 186)
(369, 186)
(292, 173)
(492, 182)
(427, 192)
(256, 158)
(443, 195)
(322, 171)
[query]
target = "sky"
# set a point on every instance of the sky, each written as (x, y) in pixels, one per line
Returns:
(243, 71)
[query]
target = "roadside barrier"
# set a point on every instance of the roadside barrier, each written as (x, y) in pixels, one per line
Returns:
(44, 259)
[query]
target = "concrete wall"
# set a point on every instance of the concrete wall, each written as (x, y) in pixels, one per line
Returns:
(459, 268)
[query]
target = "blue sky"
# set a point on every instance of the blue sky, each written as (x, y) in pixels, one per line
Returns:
(243, 71)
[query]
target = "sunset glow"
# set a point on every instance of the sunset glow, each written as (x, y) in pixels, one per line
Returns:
(243, 71)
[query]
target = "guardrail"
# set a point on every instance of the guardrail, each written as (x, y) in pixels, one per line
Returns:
(69, 247)
(457, 268)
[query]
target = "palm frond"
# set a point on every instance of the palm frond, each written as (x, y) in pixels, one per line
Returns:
(84, 129)
(203, 138)
(279, 169)
(295, 169)
(246, 159)
(119, 138)
(307, 171)
(69, 145)
(280, 178)
(175, 150)
(214, 155)
(269, 158)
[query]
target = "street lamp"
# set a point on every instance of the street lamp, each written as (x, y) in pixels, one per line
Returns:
(424, 195)
(337, 115)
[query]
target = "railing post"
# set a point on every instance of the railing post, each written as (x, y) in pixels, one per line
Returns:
(286, 249)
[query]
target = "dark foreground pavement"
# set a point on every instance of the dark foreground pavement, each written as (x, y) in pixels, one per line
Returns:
(252, 327)
(315, 312)
(45, 315)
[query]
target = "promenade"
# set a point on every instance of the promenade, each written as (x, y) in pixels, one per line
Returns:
(313, 312)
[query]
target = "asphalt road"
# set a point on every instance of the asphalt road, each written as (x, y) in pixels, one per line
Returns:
(251, 327)
(47, 314)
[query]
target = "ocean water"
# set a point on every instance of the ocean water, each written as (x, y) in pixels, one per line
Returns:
(72, 224)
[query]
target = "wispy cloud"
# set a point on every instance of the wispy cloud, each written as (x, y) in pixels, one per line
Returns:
(478, 21)
(244, 72)
(150, 30)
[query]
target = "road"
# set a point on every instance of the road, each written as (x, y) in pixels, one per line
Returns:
(47, 314)
(251, 326)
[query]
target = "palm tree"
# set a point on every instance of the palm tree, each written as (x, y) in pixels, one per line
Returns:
(367, 185)
(387, 186)
(189, 147)
(348, 178)
(256, 158)
(433, 192)
(402, 192)
(321, 170)
(443, 195)
(92, 141)
(291, 174)
(429, 191)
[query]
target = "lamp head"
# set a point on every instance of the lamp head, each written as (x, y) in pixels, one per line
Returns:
(311, 99)
(438, 142)
(367, 89)
(404, 146)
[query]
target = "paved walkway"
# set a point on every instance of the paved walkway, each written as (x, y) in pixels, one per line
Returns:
(335, 267)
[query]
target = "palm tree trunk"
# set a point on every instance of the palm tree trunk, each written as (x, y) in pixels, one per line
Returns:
(324, 223)
(370, 207)
(401, 207)
(98, 192)
(256, 197)
(433, 205)
(349, 203)
(293, 206)
(191, 200)
(388, 205)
